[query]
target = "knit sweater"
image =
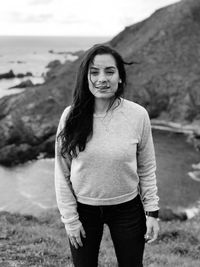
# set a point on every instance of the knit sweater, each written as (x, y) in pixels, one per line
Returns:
(117, 164)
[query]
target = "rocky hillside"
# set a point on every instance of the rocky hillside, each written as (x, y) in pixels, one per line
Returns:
(28, 121)
(166, 81)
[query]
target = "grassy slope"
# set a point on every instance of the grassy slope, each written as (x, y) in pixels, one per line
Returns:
(28, 241)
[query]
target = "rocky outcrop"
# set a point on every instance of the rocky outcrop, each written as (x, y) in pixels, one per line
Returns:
(54, 67)
(28, 121)
(166, 81)
(76, 53)
(7, 75)
(54, 64)
(167, 46)
(11, 75)
(24, 84)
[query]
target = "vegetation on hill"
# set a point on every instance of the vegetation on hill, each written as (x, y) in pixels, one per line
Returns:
(27, 241)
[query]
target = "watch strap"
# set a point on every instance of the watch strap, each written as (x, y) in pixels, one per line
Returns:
(153, 214)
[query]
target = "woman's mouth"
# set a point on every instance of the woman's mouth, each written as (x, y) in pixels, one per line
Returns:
(102, 87)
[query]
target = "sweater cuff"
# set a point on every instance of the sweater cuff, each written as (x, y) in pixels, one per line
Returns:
(73, 225)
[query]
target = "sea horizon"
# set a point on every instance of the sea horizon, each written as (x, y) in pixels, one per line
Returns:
(22, 53)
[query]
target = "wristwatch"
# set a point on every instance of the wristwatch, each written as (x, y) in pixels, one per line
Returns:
(153, 214)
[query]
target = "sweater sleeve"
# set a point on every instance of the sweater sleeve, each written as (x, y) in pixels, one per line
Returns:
(146, 167)
(65, 197)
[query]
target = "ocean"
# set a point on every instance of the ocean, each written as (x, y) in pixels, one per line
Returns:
(29, 187)
(32, 54)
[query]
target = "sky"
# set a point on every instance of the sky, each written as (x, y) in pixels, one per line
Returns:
(73, 17)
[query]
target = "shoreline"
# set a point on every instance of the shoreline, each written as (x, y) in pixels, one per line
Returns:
(176, 127)
(168, 213)
(191, 130)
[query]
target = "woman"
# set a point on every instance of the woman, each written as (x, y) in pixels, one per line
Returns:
(105, 165)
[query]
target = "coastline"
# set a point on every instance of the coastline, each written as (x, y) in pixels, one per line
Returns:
(191, 131)
(177, 127)
(176, 212)
(33, 53)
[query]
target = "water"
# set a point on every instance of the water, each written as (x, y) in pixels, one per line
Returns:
(175, 160)
(29, 188)
(31, 54)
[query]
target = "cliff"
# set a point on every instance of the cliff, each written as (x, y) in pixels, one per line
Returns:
(166, 81)
(28, 120)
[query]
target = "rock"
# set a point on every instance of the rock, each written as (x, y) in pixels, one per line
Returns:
(54, 64)
(167, 46)
(166, 82)
(57, 53)
(24, 84)
(20, 62)
(7, 75)
(11, 75)
(15, 154)
(48, 147)
(55, 67)
(29, 120)
(21, 75)
(78, 53)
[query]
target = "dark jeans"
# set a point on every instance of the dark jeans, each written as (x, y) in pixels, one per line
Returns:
(127, 224)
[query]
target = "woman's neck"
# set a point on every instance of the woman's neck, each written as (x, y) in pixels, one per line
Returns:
(101, 105)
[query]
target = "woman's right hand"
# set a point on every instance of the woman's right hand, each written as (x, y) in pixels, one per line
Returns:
(75, 236)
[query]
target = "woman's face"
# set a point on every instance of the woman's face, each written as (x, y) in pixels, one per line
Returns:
(103, 76)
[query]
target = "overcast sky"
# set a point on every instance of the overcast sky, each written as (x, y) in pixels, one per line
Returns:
(73, 17)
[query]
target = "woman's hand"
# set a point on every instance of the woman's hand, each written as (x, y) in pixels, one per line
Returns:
(152, 229)
(75, 236)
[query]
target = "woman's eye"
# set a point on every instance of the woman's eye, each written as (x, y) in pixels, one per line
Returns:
(94, 73)
(110, 72)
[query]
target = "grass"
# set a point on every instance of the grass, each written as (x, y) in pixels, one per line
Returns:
(29, 241)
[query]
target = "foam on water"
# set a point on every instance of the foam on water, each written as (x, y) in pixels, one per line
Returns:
(28, 188)
(195, 175)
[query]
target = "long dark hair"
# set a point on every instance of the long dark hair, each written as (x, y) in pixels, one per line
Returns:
(78, 127)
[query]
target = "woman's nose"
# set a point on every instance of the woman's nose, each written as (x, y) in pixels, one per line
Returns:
(102, 77)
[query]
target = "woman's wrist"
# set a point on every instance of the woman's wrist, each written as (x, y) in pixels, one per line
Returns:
(73, 225)
(154, 214)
